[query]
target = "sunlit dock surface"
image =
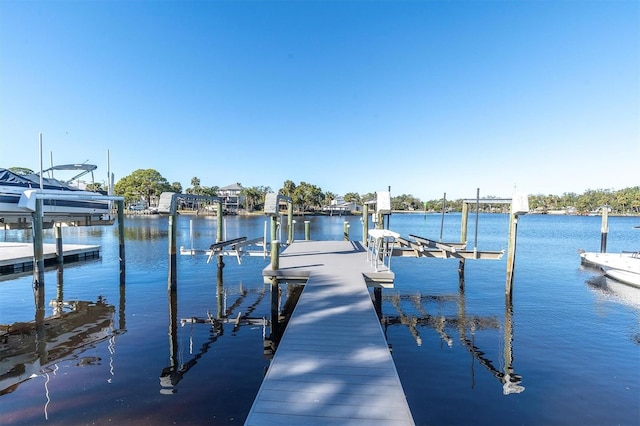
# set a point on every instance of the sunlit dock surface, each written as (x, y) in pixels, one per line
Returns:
(333, 364)
(18, 257)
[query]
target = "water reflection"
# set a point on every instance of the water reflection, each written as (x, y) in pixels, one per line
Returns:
(607, 290)
(464, 324)
(280, 314)
(225, 315)
(34, 348)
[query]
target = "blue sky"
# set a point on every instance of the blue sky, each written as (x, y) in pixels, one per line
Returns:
(427, 97)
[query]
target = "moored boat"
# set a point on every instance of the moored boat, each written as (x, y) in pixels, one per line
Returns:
(623, 267)
(73, 205)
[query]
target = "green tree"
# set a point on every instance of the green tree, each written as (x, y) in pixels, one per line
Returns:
(21, 171)
(352, 197)
(288, 189)
(252, 196)
(176, 187)
(369, 196)
(195, 188)
(142, 184)
(95, 187)
(307, 196)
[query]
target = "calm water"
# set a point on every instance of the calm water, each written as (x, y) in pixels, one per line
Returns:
(568, 348)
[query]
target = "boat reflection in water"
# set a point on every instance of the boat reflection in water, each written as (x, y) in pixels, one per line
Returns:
(34, 348)
(608, 289)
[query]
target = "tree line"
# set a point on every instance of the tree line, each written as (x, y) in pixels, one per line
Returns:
(147, 185)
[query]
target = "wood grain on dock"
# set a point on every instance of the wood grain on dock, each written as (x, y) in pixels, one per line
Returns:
(333, 364)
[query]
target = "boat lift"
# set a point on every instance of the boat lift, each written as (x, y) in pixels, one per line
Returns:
(241, 246)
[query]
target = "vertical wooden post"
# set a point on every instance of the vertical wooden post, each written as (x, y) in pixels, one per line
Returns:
(275, 254)
(38, 249)
(172, 253)
(219, 294)
(346, 231)
(290, 222)
(219, 236)
(307, 232)
(274, 228)
(41, 341)
(219, 231)
(120, 204)
(463, 236)
(444, 207)
(604, 230)
(365, 224)
(59, 250)
(475, 240)
(60, 271)
(511, 252)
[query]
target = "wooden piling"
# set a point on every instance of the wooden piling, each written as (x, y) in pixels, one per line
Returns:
(475, 239)
(59, 251)
(290, 222)
(604, 230)
(463, 236)
(38, 248)
(219, 294)
(511, 252)
(40, 337)
(219, 236)
(172, 253)
(444, 207)
(275, 254)
(346, 231)
(307, 232)
(120, 204)
(365, 224)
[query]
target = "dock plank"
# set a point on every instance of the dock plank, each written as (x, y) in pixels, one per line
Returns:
(333, 364)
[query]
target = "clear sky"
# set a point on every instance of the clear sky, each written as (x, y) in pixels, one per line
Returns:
(428, 97)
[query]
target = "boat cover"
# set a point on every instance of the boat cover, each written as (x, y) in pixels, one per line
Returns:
(7, 177)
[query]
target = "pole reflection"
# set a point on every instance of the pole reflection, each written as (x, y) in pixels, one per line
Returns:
(466, 325)
(172, 374)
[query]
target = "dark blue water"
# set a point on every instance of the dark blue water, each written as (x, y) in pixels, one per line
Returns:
(567, 351)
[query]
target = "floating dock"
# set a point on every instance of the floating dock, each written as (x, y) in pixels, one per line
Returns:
(333, 364)
(18, 257)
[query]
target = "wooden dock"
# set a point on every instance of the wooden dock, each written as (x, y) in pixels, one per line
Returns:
(333, 364)
(18, 257)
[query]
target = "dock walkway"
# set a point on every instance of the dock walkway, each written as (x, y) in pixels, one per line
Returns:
(18, 257)
(333, 364)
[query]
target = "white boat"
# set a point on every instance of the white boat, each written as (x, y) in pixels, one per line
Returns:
(78, 207)
(624, 267)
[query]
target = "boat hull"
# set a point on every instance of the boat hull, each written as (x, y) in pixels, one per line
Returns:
(623, 267)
